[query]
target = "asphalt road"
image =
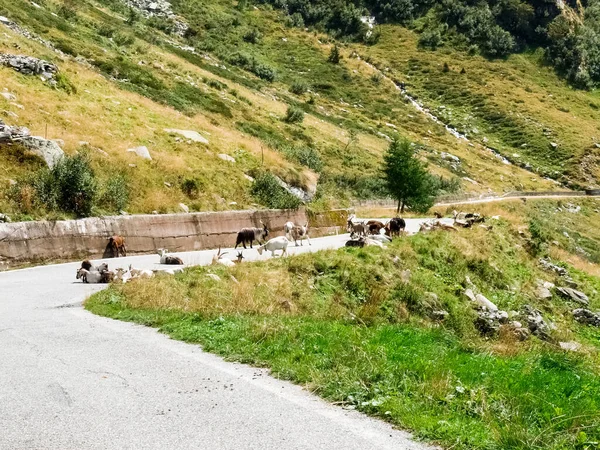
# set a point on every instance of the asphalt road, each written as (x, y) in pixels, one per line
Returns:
(72, 380)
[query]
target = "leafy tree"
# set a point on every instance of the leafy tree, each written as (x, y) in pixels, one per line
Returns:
(407, 178)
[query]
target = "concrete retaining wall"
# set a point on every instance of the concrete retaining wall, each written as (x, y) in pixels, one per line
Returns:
(87, 238)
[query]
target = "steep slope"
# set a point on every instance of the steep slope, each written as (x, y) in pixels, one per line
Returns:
(125, 78)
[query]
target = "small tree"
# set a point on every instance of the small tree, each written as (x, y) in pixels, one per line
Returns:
(407, 178)
(334, 55)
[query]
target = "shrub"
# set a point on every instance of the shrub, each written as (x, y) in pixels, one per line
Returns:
(74, 184)
(295, 20)
(264, 72)
(268, 192)
(115, 194)
(334, 55)
(430, 38)
(106, 30)
(307, 156)
(63, 83)
(294, 115)
(191, 187)
(298, 87)
(123, 39)
(252, 36)
(540, 236)
(70, 186)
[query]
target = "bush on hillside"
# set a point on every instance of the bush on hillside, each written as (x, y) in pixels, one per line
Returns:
(298, 87)
(307, 156)
(114, 195)
(294, 115)
(268, 192)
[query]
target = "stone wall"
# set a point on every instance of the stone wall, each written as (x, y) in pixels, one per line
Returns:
(87, 238)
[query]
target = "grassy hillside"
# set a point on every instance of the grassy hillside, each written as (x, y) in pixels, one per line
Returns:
(364, 328)
(232, 78)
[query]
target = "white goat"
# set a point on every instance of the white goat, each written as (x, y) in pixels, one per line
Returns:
(278, 243)
(218, 259)
(140, 273)
(287, 230)
(380, 238)
(299, 233)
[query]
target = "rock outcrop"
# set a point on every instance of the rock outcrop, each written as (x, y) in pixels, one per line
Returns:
(587, 317)
(28, 65)
(574, 295)
(162, 9)
(46, 149)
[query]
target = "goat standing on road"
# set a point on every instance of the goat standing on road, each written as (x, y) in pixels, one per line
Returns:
(117, 246)
(299, 233)
(277, 243)
(248, 235)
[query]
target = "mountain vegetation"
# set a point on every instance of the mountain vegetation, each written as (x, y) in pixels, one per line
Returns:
(305, 91)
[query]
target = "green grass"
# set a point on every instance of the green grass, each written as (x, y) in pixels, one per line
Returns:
(344, 324)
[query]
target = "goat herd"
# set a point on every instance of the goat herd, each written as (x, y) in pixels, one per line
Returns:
(88, 273)
(362, 233)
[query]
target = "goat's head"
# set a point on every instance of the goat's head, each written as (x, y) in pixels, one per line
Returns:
(260, 249)
(240, 256)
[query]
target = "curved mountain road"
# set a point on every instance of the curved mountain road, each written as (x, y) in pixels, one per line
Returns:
(72, 380)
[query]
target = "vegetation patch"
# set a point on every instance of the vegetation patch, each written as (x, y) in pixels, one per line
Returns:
(362, 328)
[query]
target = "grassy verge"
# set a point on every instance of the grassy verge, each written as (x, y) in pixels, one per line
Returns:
(358, 327)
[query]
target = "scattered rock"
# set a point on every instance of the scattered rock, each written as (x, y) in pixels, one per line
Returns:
(548, 265)
(249, 178)
(485, 303)
(571, 346)
(10, 114)
(303, 195)
(405, 276)
(553, 144)
(574, 295)
(184, 208)
(488, 322)
(536, 323)
(188, 134)
(141, 151)
(48, 150)
(162, 9)
(587, 317)
(225, 157)
(4, 218)
(451, 157)
(574, 209)
(543, 291)
(8, 96)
